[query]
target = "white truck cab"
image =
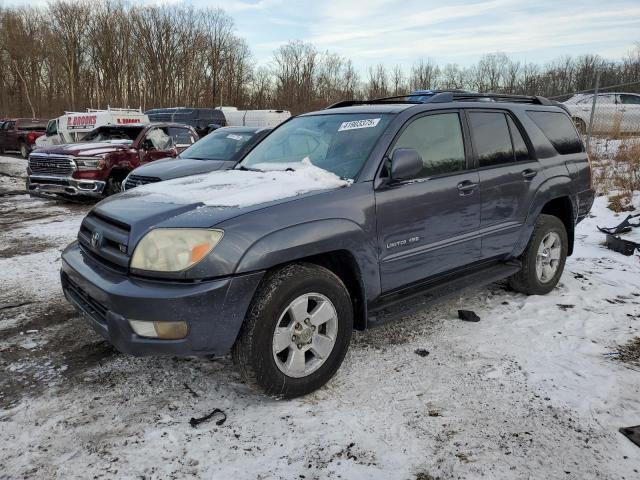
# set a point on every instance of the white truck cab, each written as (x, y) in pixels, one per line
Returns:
(73, 126)
(254, 118)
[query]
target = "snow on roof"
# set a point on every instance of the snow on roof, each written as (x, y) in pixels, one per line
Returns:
(242, 188)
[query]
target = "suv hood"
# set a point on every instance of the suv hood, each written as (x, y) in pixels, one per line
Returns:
(226, 193)
(85, 149)
(168, 168)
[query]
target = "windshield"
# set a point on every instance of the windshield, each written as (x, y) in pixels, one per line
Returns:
(219, 145)
(113, 134)
(31, 125)
(339, 143)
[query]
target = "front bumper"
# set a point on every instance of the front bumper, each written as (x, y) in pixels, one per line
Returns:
(214, 310)
(41, 184)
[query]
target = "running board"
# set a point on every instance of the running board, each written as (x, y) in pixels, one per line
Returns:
(408, 301)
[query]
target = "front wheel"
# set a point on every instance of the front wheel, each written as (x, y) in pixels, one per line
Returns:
(297, 331)
(112, 187)
(543, 260)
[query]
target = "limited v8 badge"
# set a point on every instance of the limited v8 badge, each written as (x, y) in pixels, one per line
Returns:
(401, 243)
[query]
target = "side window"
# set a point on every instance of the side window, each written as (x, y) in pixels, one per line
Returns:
(182, 137)
(10, 126)
(491, 139)
(159, 139)
(606, 98)
(630, 99)
(519, 146)
(559, 129)
(439, 141)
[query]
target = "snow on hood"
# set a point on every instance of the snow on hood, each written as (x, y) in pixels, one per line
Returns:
(241, 188)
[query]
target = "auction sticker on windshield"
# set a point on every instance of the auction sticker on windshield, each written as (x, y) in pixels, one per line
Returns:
(366, 123)
(234, 137)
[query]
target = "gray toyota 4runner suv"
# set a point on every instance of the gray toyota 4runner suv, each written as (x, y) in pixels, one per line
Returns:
(330, 220)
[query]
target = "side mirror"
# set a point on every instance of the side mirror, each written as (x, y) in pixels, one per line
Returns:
(406, 164)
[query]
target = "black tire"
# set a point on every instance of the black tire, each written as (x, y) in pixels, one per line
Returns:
(527, 280)
(253, 351)
(112, 187)
(24, 150)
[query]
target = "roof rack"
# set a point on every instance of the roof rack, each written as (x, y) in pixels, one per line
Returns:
(446, 96)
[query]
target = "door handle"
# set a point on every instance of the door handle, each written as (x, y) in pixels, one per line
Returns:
(529, 173)
(466, 188)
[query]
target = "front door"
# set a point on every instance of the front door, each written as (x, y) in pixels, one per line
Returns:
(630, 108)
(428, 225)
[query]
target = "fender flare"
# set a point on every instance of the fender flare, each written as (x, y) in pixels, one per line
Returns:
(551, 189)
(313, 238)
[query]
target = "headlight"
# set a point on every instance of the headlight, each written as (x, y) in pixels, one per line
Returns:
(174, 249)
(89, 163)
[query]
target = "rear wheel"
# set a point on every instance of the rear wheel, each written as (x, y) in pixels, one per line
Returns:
(24, 150)
(297, 331)
(543, 260)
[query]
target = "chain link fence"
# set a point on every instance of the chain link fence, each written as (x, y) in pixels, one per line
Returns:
(609, 119)
(605, 112)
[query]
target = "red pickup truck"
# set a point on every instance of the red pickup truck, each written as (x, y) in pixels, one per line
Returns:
(97, 166)
(20, 134)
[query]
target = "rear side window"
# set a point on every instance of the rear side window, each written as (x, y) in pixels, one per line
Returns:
(439, 141)
(520, 149)
(559, 129)
(181, 136)
(490, 134)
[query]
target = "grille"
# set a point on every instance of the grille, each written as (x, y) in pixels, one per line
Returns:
(49, 165)
(90, 305)
(134, 181)
(106, 240)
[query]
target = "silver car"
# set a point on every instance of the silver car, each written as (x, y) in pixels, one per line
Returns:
(614, 112)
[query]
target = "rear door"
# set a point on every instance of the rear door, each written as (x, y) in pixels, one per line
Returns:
(429, 225)
(156, 144)
(182, 137)
(509, 177)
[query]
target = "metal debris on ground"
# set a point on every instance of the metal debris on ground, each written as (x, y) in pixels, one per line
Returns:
(632, 433)
(618, 244)
(194, 422)
(468, 316)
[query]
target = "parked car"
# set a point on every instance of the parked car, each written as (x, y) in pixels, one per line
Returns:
(72, 127)
(254, 118)
(20, 134)
(333, 218)
(219, 150)
(199, 118)
(96, 166)
(614, 112)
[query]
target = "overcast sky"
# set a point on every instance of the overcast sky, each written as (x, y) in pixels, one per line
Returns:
(400, 32)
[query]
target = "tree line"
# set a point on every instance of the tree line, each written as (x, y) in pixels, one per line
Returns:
(72, 55)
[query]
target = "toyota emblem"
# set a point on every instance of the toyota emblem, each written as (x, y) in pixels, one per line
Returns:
(95, 239)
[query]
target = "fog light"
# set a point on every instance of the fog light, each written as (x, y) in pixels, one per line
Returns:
(162, 330)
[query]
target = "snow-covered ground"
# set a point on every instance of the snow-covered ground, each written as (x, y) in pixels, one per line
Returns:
(535, 390)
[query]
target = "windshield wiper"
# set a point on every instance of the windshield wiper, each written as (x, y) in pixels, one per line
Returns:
(249, 169)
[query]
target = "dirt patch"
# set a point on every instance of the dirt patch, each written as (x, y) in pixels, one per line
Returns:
(630, 352)
(33, 245)
(41, 316)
